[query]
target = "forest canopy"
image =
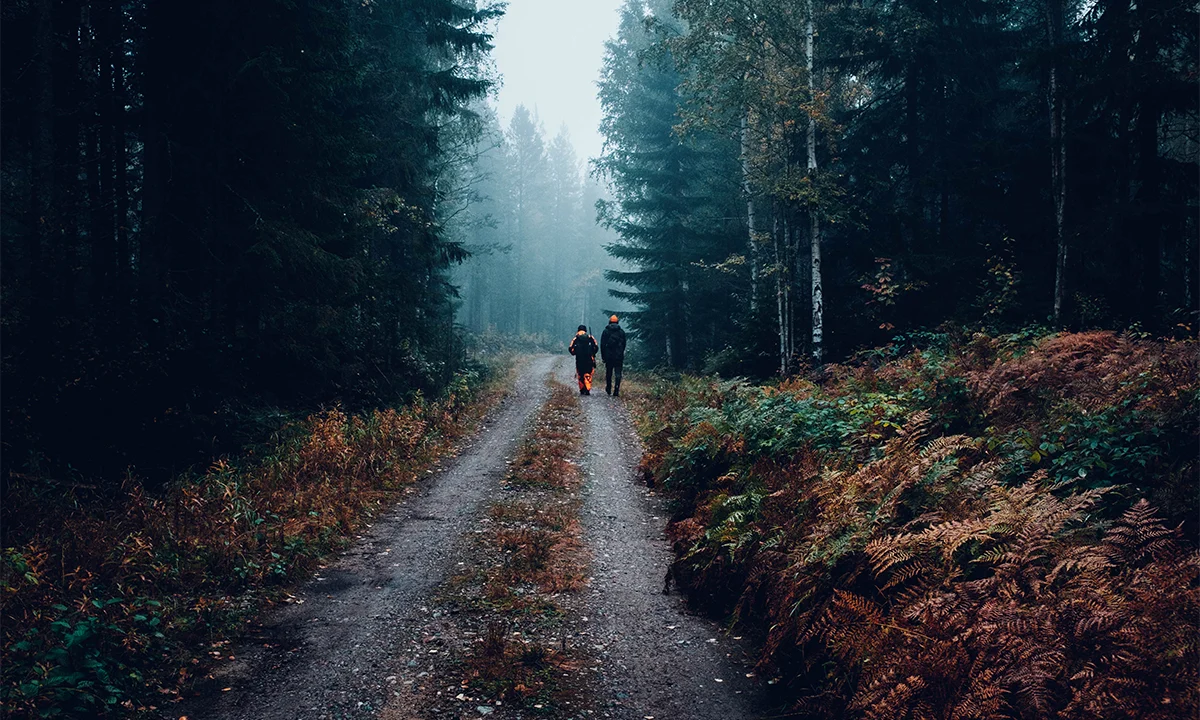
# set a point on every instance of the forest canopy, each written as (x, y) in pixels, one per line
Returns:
(910, 289)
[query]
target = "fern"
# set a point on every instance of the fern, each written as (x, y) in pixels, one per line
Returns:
(891, 531)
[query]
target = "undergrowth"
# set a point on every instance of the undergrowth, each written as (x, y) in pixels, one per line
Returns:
(107, 598)
(998, 527)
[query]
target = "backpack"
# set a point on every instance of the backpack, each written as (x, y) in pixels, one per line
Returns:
(585, 350)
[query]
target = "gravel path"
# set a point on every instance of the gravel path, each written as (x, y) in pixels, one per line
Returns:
(659, 660)
(330, 653)
(336, 652)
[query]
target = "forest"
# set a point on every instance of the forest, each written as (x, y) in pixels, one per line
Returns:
(213, 212)
(536, 254)
(795, 181)
(910, 288)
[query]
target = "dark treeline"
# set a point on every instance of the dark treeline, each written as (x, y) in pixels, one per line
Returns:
(798, 179)
(214, 209)
(527, 218)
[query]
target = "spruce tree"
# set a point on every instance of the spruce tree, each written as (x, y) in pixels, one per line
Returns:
(672, 196)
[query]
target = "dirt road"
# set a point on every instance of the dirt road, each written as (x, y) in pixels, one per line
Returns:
(337, 652)
(660, 660)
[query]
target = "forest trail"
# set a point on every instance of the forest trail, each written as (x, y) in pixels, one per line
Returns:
(337, 651)
(328, 655)
(660, 660)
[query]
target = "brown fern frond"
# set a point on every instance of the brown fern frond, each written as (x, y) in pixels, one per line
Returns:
(885, 553)
(984, 697)
(895, 704)
(945, 446)
(1140, 534)
(905, 574)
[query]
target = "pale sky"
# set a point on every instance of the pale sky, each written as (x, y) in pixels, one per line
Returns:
(549, 54)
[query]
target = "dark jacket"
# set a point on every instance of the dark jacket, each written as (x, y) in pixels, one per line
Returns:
(612, 344)
(583, 347)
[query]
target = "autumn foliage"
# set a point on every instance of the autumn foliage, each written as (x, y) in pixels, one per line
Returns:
(981, 527)
(105, 596)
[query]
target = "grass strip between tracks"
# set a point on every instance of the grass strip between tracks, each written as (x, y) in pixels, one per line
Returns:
(502, 632)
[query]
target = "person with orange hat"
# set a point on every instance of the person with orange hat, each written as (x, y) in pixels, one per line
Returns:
(612, 352)
(584, 347)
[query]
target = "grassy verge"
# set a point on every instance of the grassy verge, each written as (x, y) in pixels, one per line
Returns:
(982, 527)
(508, 611)
(106, 599)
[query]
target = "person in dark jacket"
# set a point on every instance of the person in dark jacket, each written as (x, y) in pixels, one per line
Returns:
(583, 347)
(612, 352)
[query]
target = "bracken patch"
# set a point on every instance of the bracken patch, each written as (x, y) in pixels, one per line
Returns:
(963, 531)
(106, 598)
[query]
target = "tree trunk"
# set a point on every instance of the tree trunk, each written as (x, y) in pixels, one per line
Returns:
(818, 303)
(68, 163)
(789, 233)
(1187, 271)
(1058, 150)
(123, 281)
(1149, 199)
(686, 339)
(42, 201)
(780, 312)
(752, 238)
(519, 301)
(1148, 170)
(152, 243)
(99, 154)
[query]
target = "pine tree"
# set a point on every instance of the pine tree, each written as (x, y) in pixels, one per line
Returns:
(672, 196)
(226, 206)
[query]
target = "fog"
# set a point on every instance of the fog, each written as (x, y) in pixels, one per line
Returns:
(526, 201)
(549, 54)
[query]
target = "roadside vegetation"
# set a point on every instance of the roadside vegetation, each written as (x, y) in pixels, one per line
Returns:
(514, 599)
(109, 595)
(949, 526)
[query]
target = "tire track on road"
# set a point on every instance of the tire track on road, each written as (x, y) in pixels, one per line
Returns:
(332, 650)
(658, 659)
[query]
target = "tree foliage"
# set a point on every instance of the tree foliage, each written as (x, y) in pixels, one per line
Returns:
(674, 205)
(537, 254)
(988, 162)
(219, 208)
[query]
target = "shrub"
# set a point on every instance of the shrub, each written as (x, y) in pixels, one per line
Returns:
(959, 530)
(103, 595)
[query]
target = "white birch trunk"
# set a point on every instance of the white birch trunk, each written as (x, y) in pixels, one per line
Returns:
(818, 303)
(752, 243)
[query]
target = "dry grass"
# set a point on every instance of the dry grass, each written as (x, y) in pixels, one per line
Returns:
(104, 597)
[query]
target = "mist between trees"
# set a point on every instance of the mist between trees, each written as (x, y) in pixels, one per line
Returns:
(527, 216)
